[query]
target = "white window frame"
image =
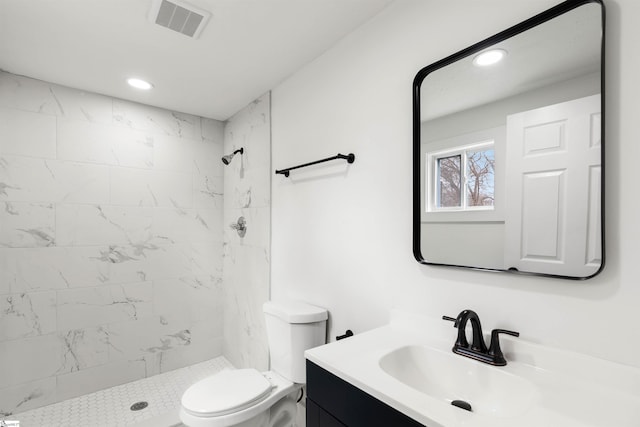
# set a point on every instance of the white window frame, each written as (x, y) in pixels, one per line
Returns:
(432, 181)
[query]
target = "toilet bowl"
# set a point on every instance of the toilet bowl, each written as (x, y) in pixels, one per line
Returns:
(249, 398)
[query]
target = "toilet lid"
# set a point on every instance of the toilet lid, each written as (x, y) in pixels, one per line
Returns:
(226, 392)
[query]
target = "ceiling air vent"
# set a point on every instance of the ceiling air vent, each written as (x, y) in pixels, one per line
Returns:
(179, 16)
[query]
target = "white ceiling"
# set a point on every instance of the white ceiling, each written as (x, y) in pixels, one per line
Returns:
(246, 49)
(565, 47)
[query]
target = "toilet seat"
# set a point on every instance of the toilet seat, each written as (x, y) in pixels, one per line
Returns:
(228, 392)
(190, 416)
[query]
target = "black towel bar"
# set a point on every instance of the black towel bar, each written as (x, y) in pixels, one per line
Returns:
(350, 158)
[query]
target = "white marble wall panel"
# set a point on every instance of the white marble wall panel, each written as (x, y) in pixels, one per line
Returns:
(84, 348)
(102, 225)
(82, 141)
(206, 259)
(127, 263)
(7, 275)
(205, 226)
(92, 307)
(26, 179)
(104, 144)
(208, 191)
(27, 134)
(186, 226)
(27, 225)
(33, 179)
(37, 269)
(251, 192)
(101, 202)
(133, 149)
(172, 225)
(206, 342)
(85, 381)
(75, 266)
(173, 153)
(251, 128)
(29, 359)
(27, 396)
(208, 179)
(248, 267)
(32, 269)
(258, 153)
(141, 338)
(246, 272)
(212, 130)
(80, 183)
(137, 187)
(156, 120)
(260, 188)
(192, 298)
(246, 264)
(169, 261)
(27, 94)
(26, 315)
(208, 158)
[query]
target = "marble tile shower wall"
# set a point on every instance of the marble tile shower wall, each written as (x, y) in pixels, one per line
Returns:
(247, 192)
(111, 241)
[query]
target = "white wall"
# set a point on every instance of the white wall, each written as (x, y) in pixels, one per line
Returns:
(495, 113)
(110, 242)
(342, 234)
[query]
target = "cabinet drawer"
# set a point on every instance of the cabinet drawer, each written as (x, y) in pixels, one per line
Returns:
(318, 417)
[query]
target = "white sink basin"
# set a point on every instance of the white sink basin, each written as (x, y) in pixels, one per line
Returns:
(449, 377)
(409, 365)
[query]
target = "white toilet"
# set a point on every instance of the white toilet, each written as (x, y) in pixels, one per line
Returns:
(249, 398)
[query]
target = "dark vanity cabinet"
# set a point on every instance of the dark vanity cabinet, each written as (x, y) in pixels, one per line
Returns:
(333, 402)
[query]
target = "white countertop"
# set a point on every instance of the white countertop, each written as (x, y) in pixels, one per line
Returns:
(571, 389)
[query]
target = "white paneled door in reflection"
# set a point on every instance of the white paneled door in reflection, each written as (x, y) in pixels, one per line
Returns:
(553, 189)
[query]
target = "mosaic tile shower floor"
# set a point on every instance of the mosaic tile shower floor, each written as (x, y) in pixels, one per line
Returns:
(110, 407)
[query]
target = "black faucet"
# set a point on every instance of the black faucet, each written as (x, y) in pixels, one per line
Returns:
(478, 349)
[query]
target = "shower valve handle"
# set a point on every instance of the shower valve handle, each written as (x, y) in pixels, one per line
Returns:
(240, 226)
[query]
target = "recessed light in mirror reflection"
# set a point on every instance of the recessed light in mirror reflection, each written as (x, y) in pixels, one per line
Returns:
(139, 84)
(489, 57)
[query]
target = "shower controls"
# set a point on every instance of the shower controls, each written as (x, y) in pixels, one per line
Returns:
(240, 226)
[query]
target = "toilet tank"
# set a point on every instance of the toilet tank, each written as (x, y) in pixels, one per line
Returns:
(292, 328)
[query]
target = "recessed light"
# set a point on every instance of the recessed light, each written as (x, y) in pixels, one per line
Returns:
(489, 57)
(139, 84)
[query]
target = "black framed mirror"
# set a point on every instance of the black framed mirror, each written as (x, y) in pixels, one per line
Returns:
(508, 149)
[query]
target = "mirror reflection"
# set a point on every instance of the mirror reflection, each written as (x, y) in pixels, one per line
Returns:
(510, 150)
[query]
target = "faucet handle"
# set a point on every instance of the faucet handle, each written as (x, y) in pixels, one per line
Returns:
(494, 348)
(462, 336)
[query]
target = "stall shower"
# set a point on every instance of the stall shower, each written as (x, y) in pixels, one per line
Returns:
(115, 261)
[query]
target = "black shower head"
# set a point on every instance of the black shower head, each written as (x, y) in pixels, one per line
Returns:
(227, 159)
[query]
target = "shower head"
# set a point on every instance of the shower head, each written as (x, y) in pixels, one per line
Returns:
(227, 159)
